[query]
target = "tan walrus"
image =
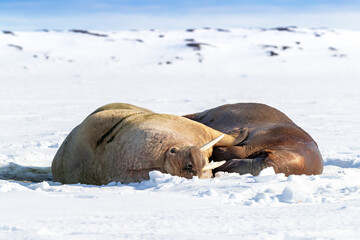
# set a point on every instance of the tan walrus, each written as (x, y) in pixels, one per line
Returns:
(124, 145)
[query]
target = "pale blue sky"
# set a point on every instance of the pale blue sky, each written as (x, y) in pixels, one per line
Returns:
(145, 14)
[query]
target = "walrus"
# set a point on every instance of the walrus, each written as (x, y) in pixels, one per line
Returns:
(124, 145)
(272, 140)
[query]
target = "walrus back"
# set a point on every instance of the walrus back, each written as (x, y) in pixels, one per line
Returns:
(227, 117)
(120, 106)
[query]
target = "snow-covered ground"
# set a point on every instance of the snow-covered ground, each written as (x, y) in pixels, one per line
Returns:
(51, 80)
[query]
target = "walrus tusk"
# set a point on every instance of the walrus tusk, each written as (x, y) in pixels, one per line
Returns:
(213, 165)
(211, 143)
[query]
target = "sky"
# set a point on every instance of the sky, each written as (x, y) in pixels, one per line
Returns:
(175, 14)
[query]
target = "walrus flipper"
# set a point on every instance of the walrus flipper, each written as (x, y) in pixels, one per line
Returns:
(18, 172)
(243, 166)
(241, 135)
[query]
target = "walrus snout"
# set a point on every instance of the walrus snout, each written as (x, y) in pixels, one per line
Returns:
(188, 162)
(185, 161)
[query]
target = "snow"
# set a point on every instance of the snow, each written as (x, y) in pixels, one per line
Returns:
(59, 77)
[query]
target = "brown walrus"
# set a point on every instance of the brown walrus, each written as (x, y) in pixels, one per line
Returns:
(122, 142)
(272, 140)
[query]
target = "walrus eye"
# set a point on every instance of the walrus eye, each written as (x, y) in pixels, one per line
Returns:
(174, 150)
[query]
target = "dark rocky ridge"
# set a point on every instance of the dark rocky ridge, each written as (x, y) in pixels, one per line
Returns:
(87, 32)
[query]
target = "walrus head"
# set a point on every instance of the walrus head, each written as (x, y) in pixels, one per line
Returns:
(190, 161)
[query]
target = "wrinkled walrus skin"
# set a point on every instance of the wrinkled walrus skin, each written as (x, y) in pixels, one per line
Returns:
(122, 145)
(273, 140)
